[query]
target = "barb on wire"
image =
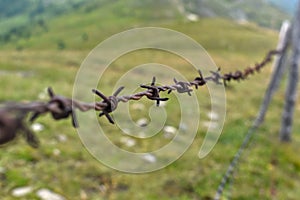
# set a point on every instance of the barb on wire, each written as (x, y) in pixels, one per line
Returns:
(153, 91)
(111, 103)
(13, 115)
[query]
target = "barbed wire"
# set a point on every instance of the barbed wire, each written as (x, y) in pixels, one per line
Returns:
(14, 114)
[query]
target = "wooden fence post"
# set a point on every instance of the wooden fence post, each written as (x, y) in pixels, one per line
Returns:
(291, 92)
(279, 66)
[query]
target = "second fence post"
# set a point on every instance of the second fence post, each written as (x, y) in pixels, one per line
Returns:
(291, 92)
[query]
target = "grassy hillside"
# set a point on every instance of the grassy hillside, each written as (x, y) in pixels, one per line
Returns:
(268, 169)
(20, 22)
(82, 26)
(263, 13)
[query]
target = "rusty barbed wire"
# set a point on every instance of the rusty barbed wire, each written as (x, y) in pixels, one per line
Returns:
(13, 114)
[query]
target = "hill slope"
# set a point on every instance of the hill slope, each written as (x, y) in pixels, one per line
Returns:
(263, 13)
(52, 56)
(20, 22)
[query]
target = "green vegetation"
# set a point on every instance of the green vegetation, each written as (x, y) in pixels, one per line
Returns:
(268, 169)
(269, 15)
(22, 21)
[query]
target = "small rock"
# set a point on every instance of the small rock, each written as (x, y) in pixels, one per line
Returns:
(46, 194)
(170, 130)
(56, 152)
(213, 116)
(162, 103)
(37, 127)
(21, 191)
(62, 138)
(192, 17)
(129, 142)
(149, 158)
(142, 122)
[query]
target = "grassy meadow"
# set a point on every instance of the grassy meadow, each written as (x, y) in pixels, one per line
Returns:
(268, 169)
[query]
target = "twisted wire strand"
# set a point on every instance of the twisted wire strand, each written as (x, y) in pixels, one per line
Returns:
(13, 114)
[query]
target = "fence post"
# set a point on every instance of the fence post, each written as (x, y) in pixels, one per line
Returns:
(279, 66)
(291, 92)
(283, 45)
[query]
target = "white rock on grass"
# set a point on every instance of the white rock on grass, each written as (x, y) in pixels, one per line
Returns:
(37, 127)
(46, 194)
(213, 116)
(170, 129)
(56, 152)
(149, 158)
(142, 122)
(129, 142)
(169, 132)
(162, 103)
(62, 138)
(21, 191)
(192, 17)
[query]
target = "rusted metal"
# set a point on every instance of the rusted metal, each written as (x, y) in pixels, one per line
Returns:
(13, 115)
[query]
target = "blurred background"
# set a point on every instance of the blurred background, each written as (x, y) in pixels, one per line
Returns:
(44, 42)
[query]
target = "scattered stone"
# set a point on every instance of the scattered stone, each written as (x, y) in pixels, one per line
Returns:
(162, 103)
(62, 138)
(129, 142)
(37, 127)
(46, 194)
(142, 122)
(192, 17)
(21, 191)
(169, 132)
(149, 158)
(213, 116)
(170, 129)
(56, 152)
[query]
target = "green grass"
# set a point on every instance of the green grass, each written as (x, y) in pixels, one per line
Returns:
(266, 164)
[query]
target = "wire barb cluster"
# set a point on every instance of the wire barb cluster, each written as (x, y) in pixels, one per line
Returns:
(13, 115)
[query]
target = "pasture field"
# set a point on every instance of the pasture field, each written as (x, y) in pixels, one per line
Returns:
(268, 169)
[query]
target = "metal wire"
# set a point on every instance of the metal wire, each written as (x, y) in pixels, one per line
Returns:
(13, 114)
